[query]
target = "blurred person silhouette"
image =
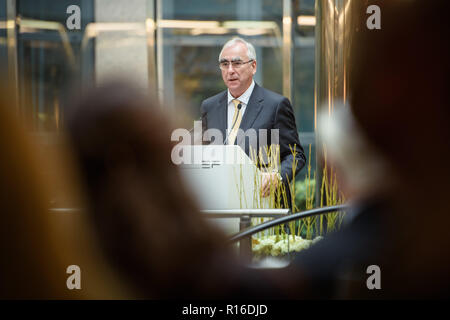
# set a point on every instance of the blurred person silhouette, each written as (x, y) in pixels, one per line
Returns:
(149, 226)
(401, 102)
(390, 149)
(37, 246)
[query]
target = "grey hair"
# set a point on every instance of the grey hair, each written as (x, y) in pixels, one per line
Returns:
(251, 53)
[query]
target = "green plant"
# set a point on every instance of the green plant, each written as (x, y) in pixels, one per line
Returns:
(330, 193)
(304, 199)
(301, 192)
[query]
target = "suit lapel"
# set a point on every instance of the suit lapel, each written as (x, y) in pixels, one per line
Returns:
(254, 107)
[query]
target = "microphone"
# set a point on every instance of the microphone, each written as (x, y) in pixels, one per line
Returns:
(239, 106)
(204, 126)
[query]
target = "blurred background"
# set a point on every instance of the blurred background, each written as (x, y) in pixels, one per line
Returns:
(170, 45)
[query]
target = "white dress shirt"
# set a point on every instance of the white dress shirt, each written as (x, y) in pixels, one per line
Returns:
(243, 98)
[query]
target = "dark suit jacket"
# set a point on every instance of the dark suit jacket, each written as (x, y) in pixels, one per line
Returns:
(265, 110)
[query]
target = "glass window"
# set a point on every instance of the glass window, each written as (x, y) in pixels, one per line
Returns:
(304, 75)
(48, 56)
(3, 43)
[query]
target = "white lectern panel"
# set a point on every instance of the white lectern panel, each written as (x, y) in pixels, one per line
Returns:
(221, 177)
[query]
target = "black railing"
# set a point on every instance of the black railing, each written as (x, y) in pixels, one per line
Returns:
(292, 217)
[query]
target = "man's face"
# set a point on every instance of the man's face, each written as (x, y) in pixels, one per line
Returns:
(237, 79)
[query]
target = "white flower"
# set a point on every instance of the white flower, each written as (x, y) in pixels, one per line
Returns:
(266, 246)
(279, 248)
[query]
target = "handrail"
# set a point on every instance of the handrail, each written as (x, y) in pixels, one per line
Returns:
(285, 219)
(252, 213)
(65, 210)
(231, 213)
(260, 227)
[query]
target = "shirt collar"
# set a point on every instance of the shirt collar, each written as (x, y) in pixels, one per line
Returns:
(243, 97)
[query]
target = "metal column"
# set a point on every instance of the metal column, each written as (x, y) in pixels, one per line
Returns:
(11, 36)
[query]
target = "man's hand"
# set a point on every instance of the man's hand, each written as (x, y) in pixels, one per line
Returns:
(269, 180)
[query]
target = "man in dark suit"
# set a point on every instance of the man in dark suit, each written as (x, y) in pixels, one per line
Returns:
(246, 106)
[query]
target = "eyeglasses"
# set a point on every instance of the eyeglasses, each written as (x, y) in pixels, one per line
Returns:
(236, 64)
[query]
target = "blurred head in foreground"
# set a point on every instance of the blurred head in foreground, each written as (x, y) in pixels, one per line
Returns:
(38, 246)
(147, 222)
(392, 142)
